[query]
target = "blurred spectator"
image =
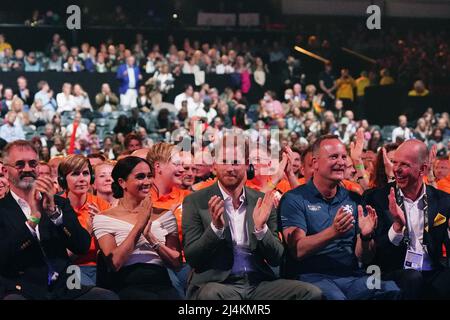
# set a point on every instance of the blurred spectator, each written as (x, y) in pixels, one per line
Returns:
(290, 73)
(72, 65)
(31, 63)
(106, 101)
(260, 71)
(55, 63)
(22, 117)
(23, 92)
(386, 78)
(56, 122)
(3, 44)
(18, 61)
(273, 107)
(144, 103)
(419, 90)
(47, 137)
(123, 125)
(327, 83)
(161, 124)
(361, 84)
(422, 131)
(344, 88)
(136, 120)
(11, 130)
(100, 65)
(132, 142)
(6, 102)
(45, 94)
(65, 100)
(82, 101)
(185, 96)
(224, 67)
(164, 80)
(58, 148)
(402, 132)
(77, 129)
(6, 60)
(129, 76)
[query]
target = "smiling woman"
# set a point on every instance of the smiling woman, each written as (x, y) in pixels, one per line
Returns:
(75, 176)
(139, 242)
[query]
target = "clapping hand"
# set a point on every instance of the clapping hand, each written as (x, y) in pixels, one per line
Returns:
(343, 222)
(216, 209)
(144, 211)
(368, 223)
(262, 210)
(397, 213)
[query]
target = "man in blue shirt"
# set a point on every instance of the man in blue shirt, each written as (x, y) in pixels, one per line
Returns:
(326, 230)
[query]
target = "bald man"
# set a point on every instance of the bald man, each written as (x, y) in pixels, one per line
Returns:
(141, 153)
(413, 225)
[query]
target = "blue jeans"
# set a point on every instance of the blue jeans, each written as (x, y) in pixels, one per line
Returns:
(179, 279)
(88, 275)
(351, 287)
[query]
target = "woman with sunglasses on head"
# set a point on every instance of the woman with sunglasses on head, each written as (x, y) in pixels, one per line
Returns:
(75, 176)
(139, 243)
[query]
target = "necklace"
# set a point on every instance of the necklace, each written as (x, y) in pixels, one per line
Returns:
(122, 204)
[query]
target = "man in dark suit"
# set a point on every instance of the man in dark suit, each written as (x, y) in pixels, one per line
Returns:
(23, 92)
(230, 236)
(36, 230)
(413, 226)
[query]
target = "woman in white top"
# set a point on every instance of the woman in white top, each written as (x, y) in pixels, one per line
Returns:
(138, 242)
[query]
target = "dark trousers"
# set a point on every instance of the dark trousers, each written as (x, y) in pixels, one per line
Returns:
(94, 293)
(243, 288)
(422, 285)
(144, 281)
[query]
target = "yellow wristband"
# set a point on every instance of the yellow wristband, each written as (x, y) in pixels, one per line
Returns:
(271, 184)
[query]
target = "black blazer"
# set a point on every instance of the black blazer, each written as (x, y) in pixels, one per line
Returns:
(390, 257)
(211, 257)
(23, 268)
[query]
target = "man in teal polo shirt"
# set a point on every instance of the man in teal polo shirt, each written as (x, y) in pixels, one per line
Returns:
(327, 231)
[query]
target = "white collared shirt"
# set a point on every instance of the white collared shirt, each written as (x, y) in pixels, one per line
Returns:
(131, 78)
(237, 221)
(415, 218)
(26, 209)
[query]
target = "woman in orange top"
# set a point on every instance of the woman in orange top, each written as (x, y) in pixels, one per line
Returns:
(75, 176)
(166, 163)
(103, 181)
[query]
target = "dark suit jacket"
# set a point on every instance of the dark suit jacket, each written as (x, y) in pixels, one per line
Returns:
(390, 257)
(211, 257)
(28, 101)
(23, 268)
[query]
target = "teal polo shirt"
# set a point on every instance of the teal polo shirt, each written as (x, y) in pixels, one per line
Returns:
(305, 208)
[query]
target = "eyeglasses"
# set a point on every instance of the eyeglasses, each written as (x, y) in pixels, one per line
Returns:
(20, 165)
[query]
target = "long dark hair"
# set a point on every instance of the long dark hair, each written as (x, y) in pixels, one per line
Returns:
(122, 169)
(380, 178)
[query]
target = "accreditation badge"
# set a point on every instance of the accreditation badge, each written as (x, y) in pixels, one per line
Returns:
(413, 260)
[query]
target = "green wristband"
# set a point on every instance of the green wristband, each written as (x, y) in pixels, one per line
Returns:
(359, 166)
(35, 220)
